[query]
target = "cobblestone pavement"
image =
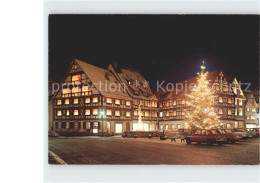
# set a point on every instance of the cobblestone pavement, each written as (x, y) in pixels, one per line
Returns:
(118, 150)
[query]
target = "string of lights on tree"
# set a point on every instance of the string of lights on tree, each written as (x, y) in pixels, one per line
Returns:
(200, 112)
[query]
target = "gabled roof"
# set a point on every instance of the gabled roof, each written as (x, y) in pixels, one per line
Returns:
(169, 95)
(236, 85)
(99, 75)
(249, 97)
(127, 74)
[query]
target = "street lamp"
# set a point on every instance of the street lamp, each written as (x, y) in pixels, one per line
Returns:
(102, 116)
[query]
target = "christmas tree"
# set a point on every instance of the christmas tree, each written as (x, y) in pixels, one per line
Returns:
(200, 112)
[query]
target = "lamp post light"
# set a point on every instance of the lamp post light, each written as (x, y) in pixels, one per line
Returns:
(102, 116)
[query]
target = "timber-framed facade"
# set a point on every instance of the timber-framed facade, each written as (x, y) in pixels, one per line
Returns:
(84, 106)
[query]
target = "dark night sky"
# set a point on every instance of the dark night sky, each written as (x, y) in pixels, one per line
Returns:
(161, 47)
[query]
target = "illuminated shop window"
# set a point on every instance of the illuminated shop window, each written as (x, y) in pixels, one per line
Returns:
(95, 127)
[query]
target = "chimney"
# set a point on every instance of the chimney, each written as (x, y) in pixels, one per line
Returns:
(116, 67)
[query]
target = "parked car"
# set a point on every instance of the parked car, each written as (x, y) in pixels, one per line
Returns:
(231, 136)
(173, 134)
(257, 132)
(241, 132)
(209, 136)
(53, 134)
(251, 133)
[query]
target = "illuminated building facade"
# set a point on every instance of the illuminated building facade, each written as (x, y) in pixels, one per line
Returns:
(96, 101)
(172, 104)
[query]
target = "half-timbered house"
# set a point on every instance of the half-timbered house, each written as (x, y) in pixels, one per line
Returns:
(172, 104)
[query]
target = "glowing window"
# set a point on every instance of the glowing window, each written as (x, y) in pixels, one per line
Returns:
(135, 113)
(167, 103)
(225, 88)
(117, 102)
(253, 110)
(166, 127)
(146, 113)
(95, 111)
(128, 114)
(59, 113)
(109, 100)
(160, 104)
(229, 111)
(67, 112)
(252, 117)
(128, 103)
(76, 79)
(220, 111)
(75, 101)
(161, 114)
(95, 99)
(229, 100)
(87, 100)
(240, 111)
(220, 99)
(182, 101)
(167, 113)
(174, 102)
(76, 112)
(109, 112)
(240, 102)
(58, 102)
(87, 112)
(247, 109)
(117, 113)
(67, 101)
(76, 90)
(174, 113)
(86, 88)
(217, 87)
(66, 91)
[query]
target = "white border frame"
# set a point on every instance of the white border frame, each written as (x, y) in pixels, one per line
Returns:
(142, 173)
